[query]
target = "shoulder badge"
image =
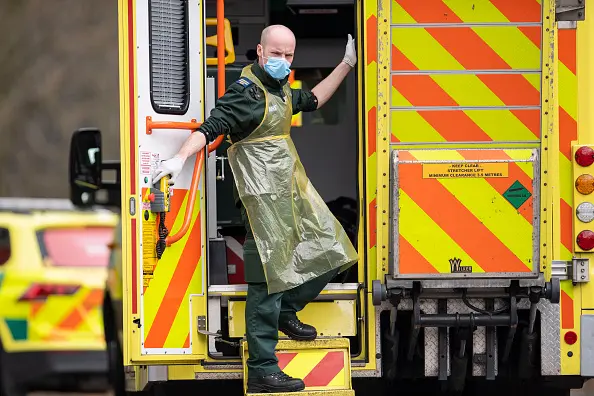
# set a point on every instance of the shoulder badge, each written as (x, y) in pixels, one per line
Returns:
(245, 82)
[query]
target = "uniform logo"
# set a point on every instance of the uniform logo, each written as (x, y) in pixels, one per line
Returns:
(272, 108)
(456, 267)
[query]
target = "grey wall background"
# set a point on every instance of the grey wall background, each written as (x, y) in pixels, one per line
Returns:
(58, 72)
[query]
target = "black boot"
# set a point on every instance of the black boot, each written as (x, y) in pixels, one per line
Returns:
(274, 383)
(296, 330)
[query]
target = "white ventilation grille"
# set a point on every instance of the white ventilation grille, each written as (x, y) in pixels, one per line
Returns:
(169, 55)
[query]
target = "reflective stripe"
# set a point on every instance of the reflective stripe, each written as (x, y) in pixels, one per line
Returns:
(567, 133)
(443, 219)
(166, 299)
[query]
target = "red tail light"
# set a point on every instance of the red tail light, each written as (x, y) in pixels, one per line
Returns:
(584, 156)
(41, 292)
(585, 240)
(570, 338)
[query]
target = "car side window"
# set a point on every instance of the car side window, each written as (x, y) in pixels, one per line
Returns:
(4, 246)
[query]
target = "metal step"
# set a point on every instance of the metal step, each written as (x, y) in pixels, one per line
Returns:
(338, 392)
(323, 364)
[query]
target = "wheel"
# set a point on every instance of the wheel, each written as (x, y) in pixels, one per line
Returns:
(115, 357)
(7, 386)
(116, 375)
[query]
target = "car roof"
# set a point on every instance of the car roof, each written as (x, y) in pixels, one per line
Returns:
(47, 211)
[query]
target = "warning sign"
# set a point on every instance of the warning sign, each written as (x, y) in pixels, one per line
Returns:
(149, 254)
(465, 170)
(148, 162)
(517, 194)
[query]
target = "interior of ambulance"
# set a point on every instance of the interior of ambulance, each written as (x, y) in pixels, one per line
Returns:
(328, 142)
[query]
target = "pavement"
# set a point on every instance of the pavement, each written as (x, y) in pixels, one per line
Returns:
(67, 394)
(587, 390)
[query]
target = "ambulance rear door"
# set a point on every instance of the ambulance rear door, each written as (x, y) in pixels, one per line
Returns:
(162, 96)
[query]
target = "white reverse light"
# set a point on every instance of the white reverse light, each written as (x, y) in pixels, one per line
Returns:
(585, 212)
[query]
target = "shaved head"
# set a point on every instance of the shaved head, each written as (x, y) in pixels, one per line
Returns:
(276, 41)
(278, 31)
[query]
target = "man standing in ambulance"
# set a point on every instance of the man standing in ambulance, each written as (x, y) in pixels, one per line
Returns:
(294, 245)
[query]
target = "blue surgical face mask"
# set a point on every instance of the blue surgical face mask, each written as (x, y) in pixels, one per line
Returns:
(277, 68)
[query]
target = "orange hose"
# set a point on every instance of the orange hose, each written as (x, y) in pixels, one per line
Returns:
(191, 199)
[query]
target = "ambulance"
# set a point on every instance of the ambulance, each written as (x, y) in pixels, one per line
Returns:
(468, 147)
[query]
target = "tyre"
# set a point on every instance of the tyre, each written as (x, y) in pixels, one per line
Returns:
(7, 386)
(115, 357)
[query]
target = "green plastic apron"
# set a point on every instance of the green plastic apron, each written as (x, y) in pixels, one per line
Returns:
(297, 236)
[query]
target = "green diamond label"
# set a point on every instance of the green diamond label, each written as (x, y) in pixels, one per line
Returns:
(517, 194)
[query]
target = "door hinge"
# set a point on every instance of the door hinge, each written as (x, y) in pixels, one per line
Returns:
(576, 270)
(201, 325)
(570, 10)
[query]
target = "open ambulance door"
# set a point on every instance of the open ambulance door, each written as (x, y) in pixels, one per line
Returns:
(162, 96)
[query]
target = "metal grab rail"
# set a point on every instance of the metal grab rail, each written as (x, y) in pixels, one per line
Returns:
(193, 126)
(171, 239)
(150, 125)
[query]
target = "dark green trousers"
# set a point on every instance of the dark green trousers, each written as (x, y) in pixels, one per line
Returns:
(263, 311)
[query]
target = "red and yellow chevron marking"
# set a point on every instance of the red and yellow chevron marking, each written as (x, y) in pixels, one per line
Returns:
(370, 96)
(450, 76)
(567, 133)
(67, 318)
(320, 369)
(568, 130)
(464, 218)
(177, 275)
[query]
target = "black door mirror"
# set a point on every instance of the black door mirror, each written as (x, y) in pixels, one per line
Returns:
(85, 166)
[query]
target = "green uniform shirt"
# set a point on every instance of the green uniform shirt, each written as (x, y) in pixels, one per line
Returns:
(241, 109)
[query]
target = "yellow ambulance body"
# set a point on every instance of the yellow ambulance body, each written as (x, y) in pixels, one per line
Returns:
(475, 120)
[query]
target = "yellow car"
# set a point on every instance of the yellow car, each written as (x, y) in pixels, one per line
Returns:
(53, 268)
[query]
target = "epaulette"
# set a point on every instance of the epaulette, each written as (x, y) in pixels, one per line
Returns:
(244, 82)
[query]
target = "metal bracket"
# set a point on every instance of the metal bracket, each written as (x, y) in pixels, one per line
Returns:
(570, 10)
(581, 270)
(578, 270)
(567, 25)
(560, 269)
(201, 325)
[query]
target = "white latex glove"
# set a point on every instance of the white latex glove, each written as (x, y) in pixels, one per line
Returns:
(172, 166)
(350, 54)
